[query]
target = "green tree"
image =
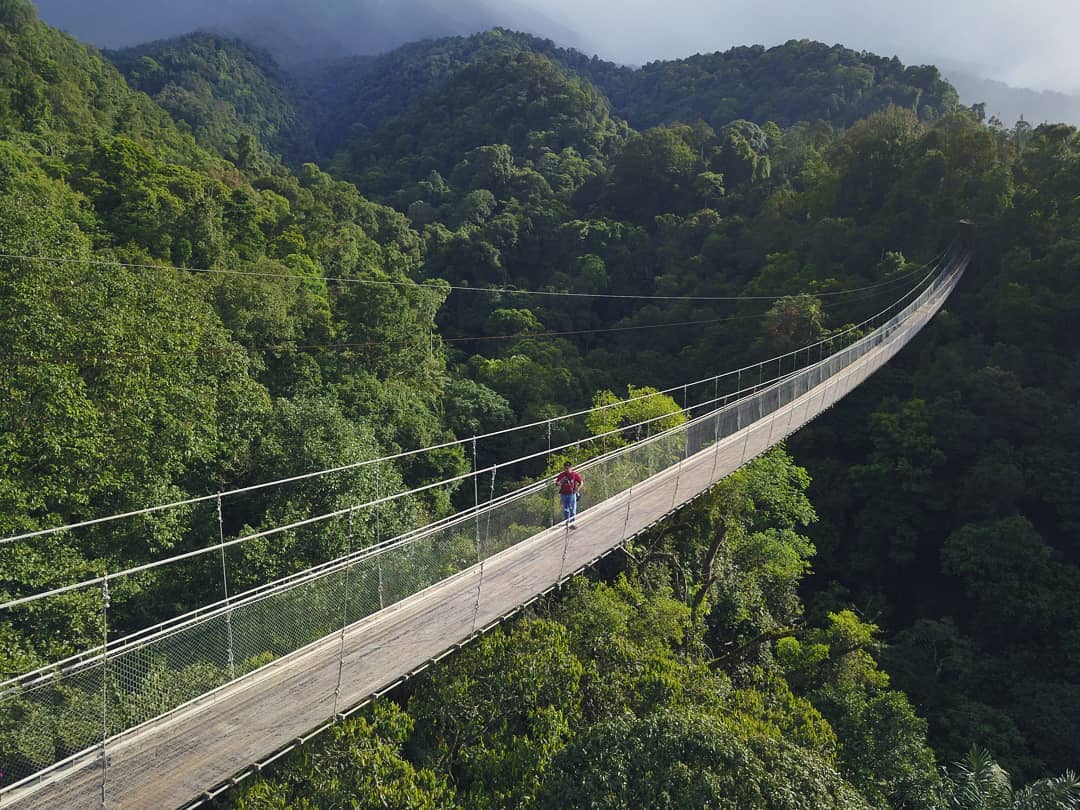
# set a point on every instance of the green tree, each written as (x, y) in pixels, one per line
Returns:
(652, 175)
(496, 716)
(362, 766)
(644, 412)
(979, 783)
(689, 760)
(792, 322)
(743, 154)
(749, 570)
(1010, 575)
(883, 750)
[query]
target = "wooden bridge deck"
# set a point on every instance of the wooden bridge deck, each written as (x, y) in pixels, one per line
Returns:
(172, 761)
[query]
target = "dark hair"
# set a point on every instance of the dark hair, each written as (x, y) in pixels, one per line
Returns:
(567, 464)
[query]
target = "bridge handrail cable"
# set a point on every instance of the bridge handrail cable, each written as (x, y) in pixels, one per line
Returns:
(216, 547)
(464, 516)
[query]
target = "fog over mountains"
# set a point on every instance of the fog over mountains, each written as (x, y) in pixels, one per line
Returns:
(293, 30)
(1008, 103)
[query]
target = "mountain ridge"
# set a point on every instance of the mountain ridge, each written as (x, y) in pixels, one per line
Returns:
(289, 28)
(1009, 104)
(337, 99)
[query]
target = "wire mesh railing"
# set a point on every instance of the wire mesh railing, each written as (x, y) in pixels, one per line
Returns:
(68, 711)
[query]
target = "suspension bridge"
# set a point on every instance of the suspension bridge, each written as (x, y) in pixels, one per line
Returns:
(175, 713)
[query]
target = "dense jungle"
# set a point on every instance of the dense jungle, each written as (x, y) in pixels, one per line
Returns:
(215, 272)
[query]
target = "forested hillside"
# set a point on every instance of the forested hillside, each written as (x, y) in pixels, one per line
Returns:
(836, 625)
(127, 384)
(799, 81)
(233, 97)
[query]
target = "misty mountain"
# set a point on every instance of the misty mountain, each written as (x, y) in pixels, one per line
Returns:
(801, 80)
(294, 31)
(224, 89)
(1010, 103)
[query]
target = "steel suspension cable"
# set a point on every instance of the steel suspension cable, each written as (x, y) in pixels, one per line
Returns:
(286, 348)
(532, 488)
(419, 284)
(449, 444)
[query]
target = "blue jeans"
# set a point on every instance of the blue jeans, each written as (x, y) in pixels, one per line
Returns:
(569, 506)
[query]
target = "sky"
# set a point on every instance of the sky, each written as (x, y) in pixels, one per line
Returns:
(1025, 44)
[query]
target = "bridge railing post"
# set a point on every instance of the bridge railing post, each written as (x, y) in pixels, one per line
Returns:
(717, 418)
(487, 546)
(555, 502)
(476, 497)
(480, 556)
(377, 514)
(684, 441)
(754, 404)
(605, 479)
(778, 389)
(105, 602)
(344, 608)
(230, 651)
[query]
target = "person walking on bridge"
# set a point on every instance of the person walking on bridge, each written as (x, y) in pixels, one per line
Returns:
(569, 484)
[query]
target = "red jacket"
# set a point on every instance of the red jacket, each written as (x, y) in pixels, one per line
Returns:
(568, 482)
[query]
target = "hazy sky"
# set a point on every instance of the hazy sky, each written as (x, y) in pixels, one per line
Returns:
(1032, 44)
